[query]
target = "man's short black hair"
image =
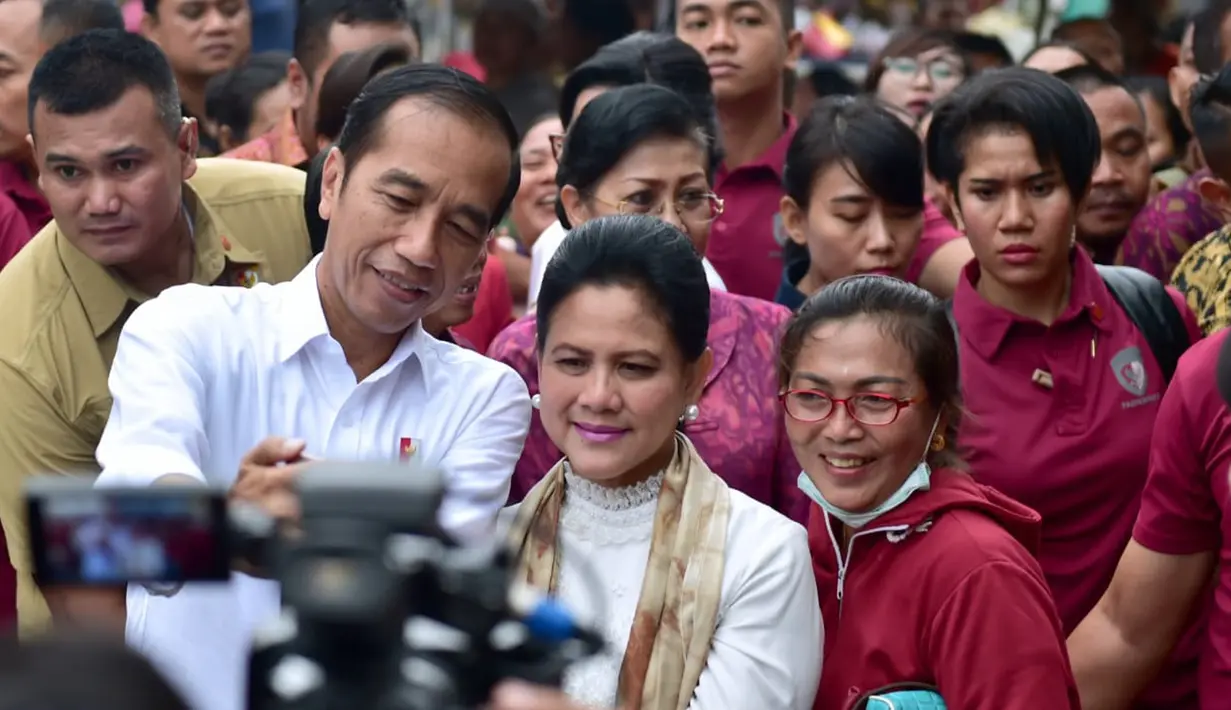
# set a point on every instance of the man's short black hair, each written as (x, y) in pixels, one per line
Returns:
(447, 88)
(64, 18)
(1071, 30)
(1089, 78)
(317, 17)
(974, 43)
(1057, 121)
(231, 95)
(93, 70)
(786, 12)
(1210, 110)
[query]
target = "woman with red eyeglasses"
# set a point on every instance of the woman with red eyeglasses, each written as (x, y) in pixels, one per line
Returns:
(927, 578)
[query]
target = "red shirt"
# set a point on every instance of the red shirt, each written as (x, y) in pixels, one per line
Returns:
(744, 246)
(937, 232)
(23, 210)
(1078, 452)
(493, 307)
(941, 590)
(1184, 506)
(14, 231)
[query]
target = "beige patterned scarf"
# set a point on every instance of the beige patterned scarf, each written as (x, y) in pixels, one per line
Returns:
(669, 642)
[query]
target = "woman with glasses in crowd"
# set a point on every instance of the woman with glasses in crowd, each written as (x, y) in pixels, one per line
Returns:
(644, 151)
(1061, 383)
(927, 578)
(851, 206)
(707, 600)
(640, 58)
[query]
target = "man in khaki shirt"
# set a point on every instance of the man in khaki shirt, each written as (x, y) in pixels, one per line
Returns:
(135, 213)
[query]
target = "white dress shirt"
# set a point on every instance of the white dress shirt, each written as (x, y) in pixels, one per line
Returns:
(550, 240)
(203, 373)
(767, 648)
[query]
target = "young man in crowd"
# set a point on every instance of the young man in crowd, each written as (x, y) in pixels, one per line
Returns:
(748, 44)
(201, 38)
(1121, 182)
(324, 31)
(26, 33)
(134, 213)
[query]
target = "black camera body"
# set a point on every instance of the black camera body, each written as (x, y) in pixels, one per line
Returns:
(381, 609)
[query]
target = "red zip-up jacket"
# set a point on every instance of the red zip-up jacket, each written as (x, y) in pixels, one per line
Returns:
(943, 590)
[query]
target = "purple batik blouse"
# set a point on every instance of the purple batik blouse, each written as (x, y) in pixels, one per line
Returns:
(739, 432)
(1170, 223)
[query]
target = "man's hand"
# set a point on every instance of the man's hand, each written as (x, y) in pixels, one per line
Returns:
(515, 695)
(266, 475)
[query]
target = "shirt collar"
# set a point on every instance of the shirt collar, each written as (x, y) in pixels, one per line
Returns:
(106, 296)
(302, 322)
(987, 327)
(774, 157)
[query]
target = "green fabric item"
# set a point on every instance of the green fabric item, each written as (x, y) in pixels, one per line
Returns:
(1079, 9)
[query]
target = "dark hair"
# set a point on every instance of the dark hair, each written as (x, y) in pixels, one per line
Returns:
(613, 125)
(828, 79)
(62, 19)
(105, 675)
(93, 70)
(231, 96)
(1207, 36)
(600, 21)
(640, 252)
(317, 17)
(1210, 110)
(1071, 30)
(525, 15)
(649, 58)
(1089, 78)
(786, 13)
(444, 87)
(969, 43)
(318, 227)
(347, 77)
(884, 154)
(1158, 90)
(1060, 44)
(1050, 112)
(912, 43)
(916, 319)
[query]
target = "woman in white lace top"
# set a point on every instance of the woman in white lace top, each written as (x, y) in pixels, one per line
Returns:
(708, 598)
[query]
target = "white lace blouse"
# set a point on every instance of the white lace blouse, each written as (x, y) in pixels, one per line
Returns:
(767, 648)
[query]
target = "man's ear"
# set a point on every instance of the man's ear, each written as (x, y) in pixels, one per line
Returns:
(1216, 192)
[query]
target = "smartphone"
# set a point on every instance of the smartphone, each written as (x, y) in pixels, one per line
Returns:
(86, 536)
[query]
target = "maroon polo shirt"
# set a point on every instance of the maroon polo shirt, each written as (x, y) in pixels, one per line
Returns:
(1184, 509)
(1076, 452)
(25, 195)
(744, 245)
(14, 232)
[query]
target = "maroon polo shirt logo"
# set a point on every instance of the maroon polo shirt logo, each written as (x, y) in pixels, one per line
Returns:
(1130, 371)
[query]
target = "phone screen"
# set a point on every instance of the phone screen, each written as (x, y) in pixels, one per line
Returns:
(92, 536)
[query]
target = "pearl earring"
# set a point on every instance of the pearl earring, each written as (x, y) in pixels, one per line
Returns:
(691, 412)
(536, 401)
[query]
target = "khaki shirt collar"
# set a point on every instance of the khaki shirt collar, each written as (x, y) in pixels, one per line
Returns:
(220, 260)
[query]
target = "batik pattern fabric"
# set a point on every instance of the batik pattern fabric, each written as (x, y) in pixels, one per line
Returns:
(1167, 227)
(1204, 277)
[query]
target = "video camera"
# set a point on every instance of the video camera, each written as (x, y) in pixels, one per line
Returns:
(381, 610)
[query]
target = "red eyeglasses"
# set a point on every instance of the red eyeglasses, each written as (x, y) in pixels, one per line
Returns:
(812, 406)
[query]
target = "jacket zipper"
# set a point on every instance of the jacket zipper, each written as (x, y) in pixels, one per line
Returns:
(844, 562)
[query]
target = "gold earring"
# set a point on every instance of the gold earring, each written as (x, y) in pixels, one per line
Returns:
(938, 443)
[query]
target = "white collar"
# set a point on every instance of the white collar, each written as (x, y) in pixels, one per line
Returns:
(302, 321)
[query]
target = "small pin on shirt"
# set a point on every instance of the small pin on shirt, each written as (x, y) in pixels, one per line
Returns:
(1042, 378)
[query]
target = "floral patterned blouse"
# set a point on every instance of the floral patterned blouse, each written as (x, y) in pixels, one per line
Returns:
(1167, 227)
(740, 431)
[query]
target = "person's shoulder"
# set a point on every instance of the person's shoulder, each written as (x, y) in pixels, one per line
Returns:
(197, 310)
(755, 310)
(515, 341)
(465, 370)
(226, 181)
(35, 289)
(757, 526)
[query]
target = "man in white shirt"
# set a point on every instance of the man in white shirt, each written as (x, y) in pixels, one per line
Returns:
(208, 381)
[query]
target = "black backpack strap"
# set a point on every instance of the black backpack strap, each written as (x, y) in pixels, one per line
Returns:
(1152, 310)
(957, 339)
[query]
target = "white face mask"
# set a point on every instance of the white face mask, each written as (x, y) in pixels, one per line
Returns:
(919, 480)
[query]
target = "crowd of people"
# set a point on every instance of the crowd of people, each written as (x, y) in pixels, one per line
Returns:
(902, 390)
